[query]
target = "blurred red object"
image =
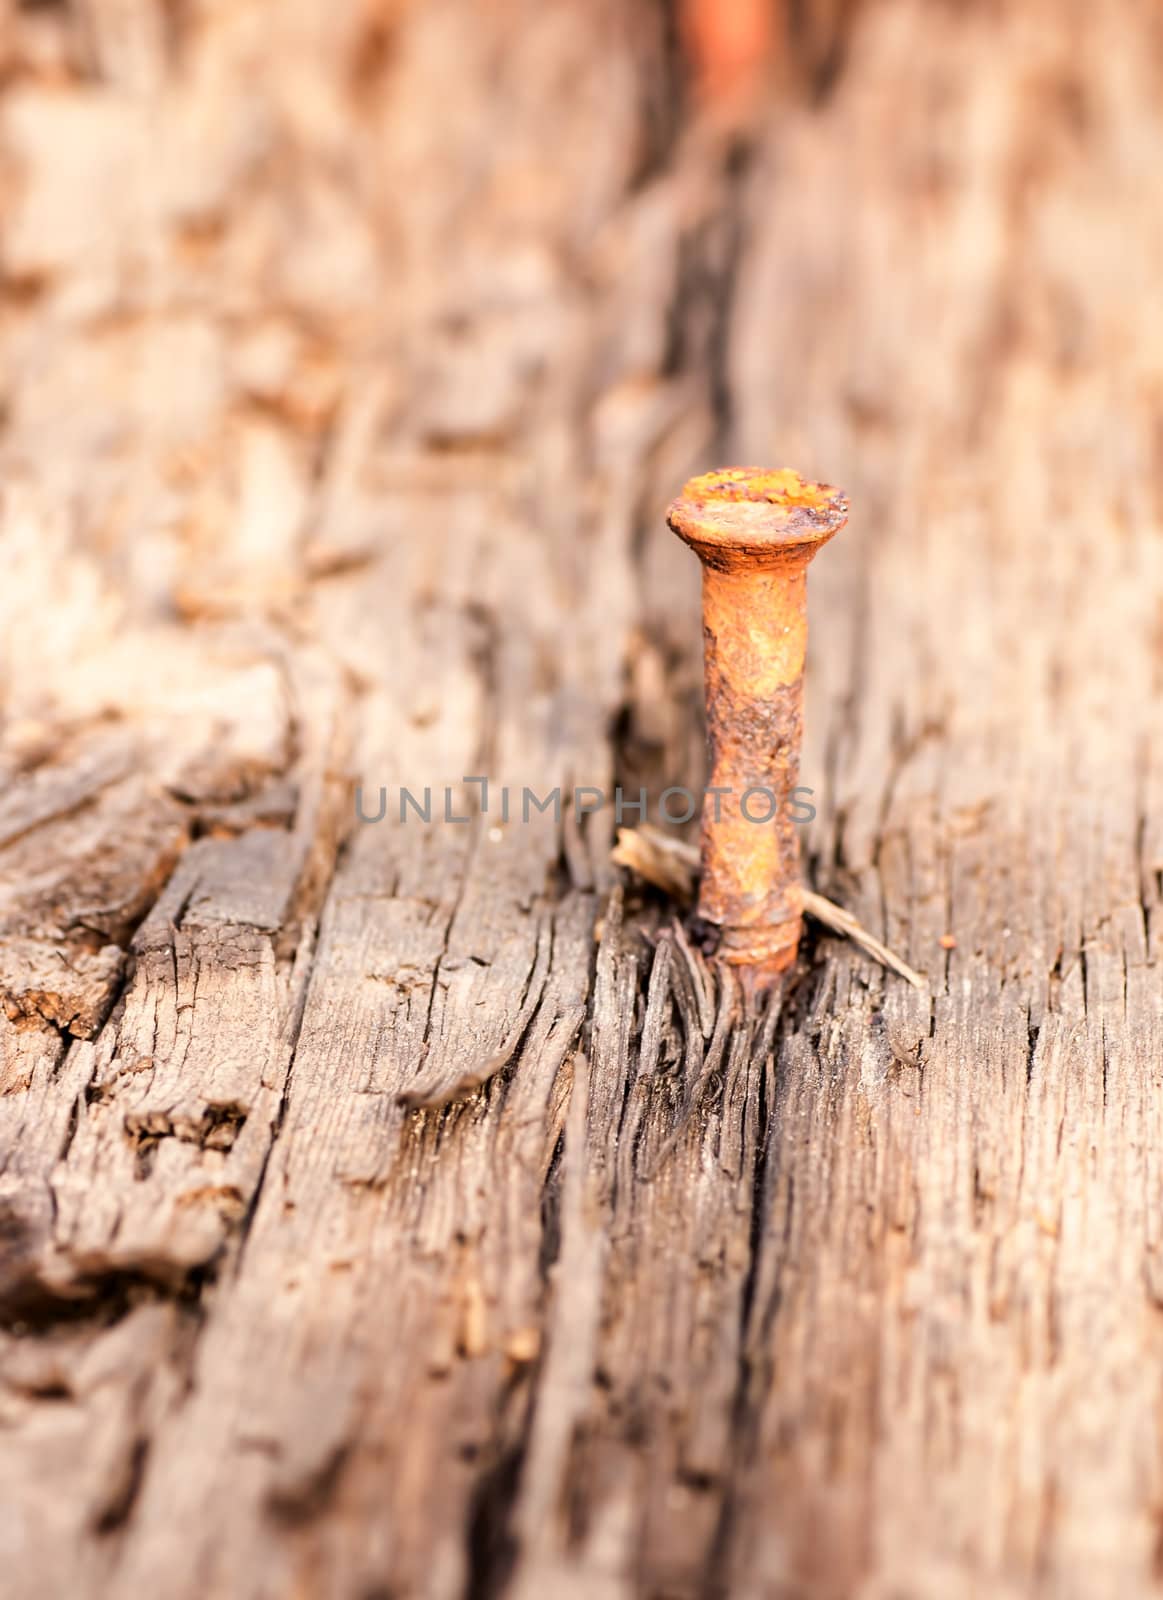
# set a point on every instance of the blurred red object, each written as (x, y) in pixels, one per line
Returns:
(729, 42)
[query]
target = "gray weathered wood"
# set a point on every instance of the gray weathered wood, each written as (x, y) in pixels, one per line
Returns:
(413, 1209)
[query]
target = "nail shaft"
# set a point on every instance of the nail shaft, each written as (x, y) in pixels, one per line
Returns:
(755, 533)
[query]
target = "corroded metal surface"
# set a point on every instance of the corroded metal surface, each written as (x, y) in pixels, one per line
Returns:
(754, 533)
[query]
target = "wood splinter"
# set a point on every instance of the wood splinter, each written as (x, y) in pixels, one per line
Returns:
(672, 865)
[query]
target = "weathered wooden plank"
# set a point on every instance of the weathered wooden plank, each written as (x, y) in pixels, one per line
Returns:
(952, 1285)
(386, 1207)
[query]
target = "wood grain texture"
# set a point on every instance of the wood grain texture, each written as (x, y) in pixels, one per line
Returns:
(414, 1209)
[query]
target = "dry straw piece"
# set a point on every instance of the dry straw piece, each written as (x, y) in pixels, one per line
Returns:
(672, 865)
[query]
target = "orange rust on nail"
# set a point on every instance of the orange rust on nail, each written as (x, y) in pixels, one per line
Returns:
(728, 42)
(754, 532)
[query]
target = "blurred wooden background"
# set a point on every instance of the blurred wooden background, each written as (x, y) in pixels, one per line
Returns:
(403, 1211)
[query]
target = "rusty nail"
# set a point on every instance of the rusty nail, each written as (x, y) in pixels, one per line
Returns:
(754, 533)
